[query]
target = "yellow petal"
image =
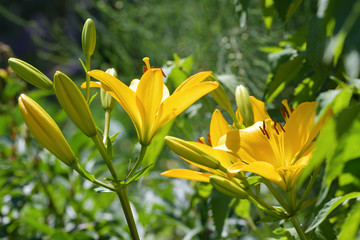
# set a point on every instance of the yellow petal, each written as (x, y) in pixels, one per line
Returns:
(180, 100)
(194, 79)
(263, 169)
(121, 93)
(134, 84)
(92, 84)
(218, 127)
(149, 92)
(250, 145)
(298, 128)
(187, 174)
(260, 113)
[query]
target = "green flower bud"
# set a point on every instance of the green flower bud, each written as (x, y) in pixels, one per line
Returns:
(192, 152)
(88, 37)
(74, 104)
(244, 105)
(45, 130)
(107, 101)
(30, 74)
(228, 187)
(220, 96)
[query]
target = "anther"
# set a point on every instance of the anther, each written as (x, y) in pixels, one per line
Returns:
(209, 139)
(264, 132)
(275, 127)
(282, 127)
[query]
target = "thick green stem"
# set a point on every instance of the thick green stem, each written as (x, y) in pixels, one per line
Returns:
(107, 125)
(138, 161)
(276, 194)
(87, 63)
(101, 147)
(122, 194)
(298, 228)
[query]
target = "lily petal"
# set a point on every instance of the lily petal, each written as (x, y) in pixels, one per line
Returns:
(263, 169)
(218, 127)
(260, 113)
(149, 92)
(194, 79)
(121, 93)
(298, 128)
(180, 100)
(187, 174)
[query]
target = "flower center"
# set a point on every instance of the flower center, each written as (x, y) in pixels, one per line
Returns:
(278, 127)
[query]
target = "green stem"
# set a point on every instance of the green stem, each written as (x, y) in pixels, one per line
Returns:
(122, 194)
(107, 125)
(138, 161)
(276, 194)
(298, 228)
(255, 229)
(87, 63)
(238, 125)
(100, 183)
(101, 147)
(309, 186)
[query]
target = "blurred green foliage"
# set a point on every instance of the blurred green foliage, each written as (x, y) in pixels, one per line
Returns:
(299, 50)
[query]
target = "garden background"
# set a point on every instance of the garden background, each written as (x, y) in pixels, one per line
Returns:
(295, 50)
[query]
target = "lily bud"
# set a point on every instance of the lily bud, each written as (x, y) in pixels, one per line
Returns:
(220, 96)
(30, 74)
(45, 130)
(107, 101)
(88, 37)
(244, 105)
(190, 151)
(227, 187)
(74, 104)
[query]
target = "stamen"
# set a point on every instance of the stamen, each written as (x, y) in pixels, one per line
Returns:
(264, 125)
(209, 139)
(264, 132)
(282, 127)
(275, 127)
(201, 140)
(147, 62)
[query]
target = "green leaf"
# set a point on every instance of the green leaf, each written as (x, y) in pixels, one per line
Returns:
(137, 175)
(328, 208)
(315, 47)
(351, 226)
(93, 97)
(325, 231)
(284, 75)
(267, 7)
(113, 137)
(282, 7)
(156, 146)
(220, 209)
(242, 209)
(60, 235)
(292, 8)
(38, 226)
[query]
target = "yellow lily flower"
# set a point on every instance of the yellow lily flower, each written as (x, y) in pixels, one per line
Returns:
(203, 153)
(147, 100)
(273, 151)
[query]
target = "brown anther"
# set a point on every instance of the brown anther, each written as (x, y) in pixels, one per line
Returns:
(200, 141)
(264, 132)
(275, 127)
(264, 125)
(291, 108)
(282, 127)
(208, 138)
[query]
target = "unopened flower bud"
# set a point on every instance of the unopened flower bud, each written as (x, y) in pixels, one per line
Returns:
(30, 74)
(244, 105)
(190, 151)
(88, 37)
(107, 101)
(228, 187)
(220, 96)
(45, 130)
(74, 104)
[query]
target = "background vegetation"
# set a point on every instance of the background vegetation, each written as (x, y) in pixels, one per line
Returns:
(299, 50)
